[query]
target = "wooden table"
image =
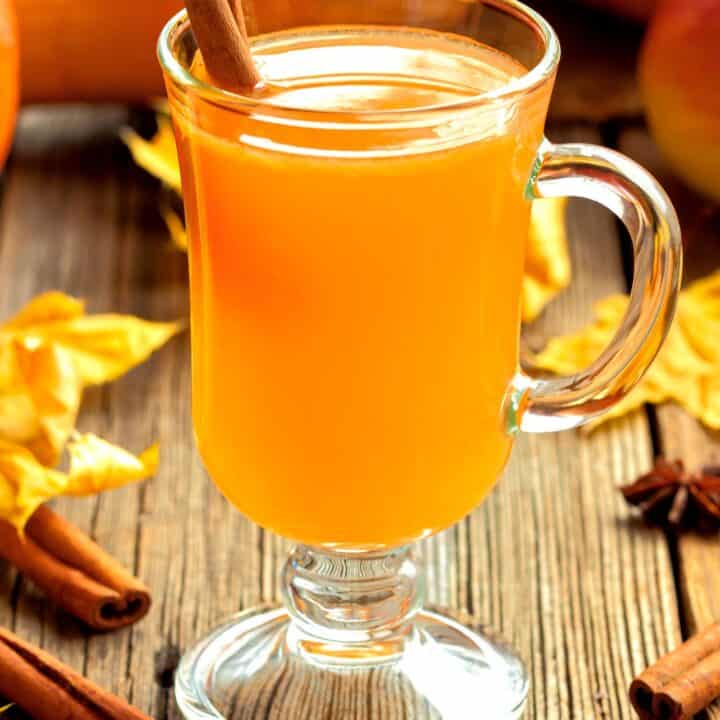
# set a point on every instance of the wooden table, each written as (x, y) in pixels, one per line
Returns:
(554, 560)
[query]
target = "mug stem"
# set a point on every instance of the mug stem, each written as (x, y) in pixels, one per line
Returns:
(351, 607)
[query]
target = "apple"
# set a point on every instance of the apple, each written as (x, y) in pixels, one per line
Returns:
(680, 83)
(640, 10)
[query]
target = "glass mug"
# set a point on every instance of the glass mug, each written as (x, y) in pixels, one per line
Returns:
(357, 232)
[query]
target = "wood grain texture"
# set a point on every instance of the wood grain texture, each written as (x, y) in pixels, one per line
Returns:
(679, 434)
(551, 560)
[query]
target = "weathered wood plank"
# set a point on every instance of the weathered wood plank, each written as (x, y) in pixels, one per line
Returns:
(550, 560)
(680, 435)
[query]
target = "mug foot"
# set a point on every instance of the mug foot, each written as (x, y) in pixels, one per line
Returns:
(257, 665)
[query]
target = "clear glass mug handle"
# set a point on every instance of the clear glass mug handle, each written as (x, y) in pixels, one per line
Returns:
(631, 193)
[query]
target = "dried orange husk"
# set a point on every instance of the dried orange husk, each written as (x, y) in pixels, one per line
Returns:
(95, 465)
(46, 308)
(687, 368)
(547, 263)
(49, 352)
(53, 385)
(102, 347)
(157, 155)
(40, 393)
(175, 226)
(25, 483)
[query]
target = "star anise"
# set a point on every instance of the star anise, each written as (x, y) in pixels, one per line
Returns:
(670, 495)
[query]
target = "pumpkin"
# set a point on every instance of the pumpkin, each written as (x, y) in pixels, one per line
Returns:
(8, 76)
(93, 50)
(104, 50)
(98, 50)
(269, 15)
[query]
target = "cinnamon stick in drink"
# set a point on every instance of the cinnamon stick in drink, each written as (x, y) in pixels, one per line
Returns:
(236, 6)
(74, 572)
(219, 29)
(45, 689)
(660, 676)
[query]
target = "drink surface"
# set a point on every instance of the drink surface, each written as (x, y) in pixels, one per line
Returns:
(355, 313)
(356, 70)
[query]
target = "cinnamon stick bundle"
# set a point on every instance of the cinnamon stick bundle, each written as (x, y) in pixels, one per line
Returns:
(682, 682)
(45, 689)
(74, 572)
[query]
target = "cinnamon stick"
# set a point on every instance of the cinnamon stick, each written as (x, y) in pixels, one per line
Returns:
(219, 30)
(236, 7)
(74, 572)
(46, 689)
(684, 660)
(691, 692)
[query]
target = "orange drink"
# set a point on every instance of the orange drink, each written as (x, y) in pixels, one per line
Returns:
(8, 76)
(356, 305)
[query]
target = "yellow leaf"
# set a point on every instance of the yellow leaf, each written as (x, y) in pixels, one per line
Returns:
(158, 155)
(176, 227)
(40, 395)
(19, 421)
(687, 368)
(25, 484)
(97, 465)
(49, 307)
(55, 389)
(49, 352)
(547, 264)
(5, 708)
(103, 347)
(570, 353)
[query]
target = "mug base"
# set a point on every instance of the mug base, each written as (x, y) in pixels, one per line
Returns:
(255, 665)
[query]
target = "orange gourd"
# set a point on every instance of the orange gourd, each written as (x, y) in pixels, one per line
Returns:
(94, 50)
(104, 50)
(270, 15)
(8, 76)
